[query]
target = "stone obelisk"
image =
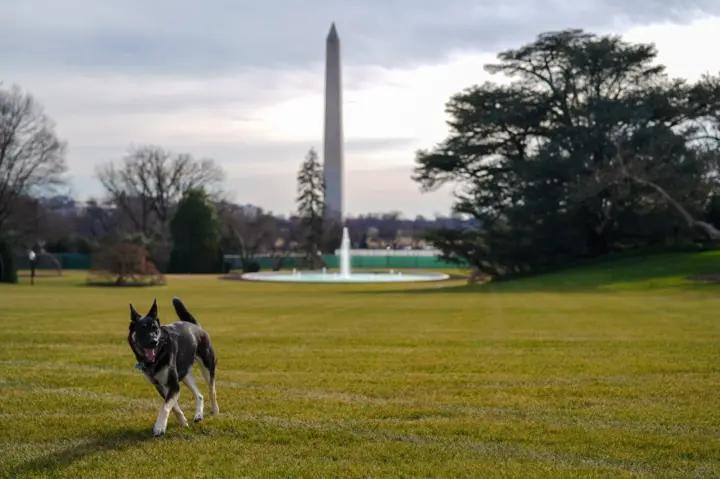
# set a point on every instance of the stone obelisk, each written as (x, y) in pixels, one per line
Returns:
(333, 147)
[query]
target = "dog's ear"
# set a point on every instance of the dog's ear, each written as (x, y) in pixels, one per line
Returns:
(153, 310)
(134, 315)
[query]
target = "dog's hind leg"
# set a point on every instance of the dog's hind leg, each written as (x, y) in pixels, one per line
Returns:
(189, 381)
(210, 379)
(207, 366)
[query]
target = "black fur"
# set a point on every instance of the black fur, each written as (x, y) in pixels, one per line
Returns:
(182, 311)
(174, 346)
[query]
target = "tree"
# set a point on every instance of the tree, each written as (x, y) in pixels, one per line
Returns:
(150, 181)
(707, 91)
(249, 231)
(691, 220)
(147, 185)
(195, 234)
(311, 206)
(8, 273)
(538, 160)
(32, 158)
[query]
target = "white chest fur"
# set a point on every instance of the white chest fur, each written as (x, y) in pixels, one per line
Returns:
(159, 379)
(162, 375)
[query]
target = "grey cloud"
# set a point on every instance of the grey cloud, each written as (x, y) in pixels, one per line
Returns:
(136, 36)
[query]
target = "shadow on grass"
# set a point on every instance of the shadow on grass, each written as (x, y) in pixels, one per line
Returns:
(116, 440)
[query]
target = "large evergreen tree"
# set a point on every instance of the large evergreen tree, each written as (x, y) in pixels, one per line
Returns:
(582, 153)
(311, 206)
(195, 234)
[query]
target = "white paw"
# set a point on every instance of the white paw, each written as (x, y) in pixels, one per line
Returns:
(158, 432)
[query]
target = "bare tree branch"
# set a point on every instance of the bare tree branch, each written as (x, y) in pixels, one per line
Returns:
(150, 181)
(32, 158)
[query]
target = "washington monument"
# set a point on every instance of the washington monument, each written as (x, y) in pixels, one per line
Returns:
(333, 147)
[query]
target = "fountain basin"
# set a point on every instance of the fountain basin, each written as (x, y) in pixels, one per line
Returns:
(319, 277)
(345, 275)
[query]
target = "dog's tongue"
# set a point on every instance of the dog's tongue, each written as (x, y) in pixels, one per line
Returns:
(150, 355)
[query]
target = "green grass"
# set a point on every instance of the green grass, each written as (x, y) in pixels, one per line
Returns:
(611, 370)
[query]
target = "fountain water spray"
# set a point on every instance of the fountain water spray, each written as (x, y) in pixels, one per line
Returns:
(345, 271)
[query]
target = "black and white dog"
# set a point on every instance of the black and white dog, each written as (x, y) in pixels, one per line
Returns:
(166, 355)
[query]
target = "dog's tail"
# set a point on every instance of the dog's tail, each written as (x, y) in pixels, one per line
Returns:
(182, 311)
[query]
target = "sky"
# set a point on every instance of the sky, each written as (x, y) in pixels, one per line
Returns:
(242, 81)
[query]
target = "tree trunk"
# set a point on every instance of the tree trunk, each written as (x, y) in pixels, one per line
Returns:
(709, 230)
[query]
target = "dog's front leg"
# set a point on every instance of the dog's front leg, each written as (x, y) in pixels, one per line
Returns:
(179, 414)
(171, 396)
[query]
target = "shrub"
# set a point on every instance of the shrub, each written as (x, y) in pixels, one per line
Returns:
(250, 266)
(124, 264)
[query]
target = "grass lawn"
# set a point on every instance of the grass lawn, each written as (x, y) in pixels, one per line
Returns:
(610, 370)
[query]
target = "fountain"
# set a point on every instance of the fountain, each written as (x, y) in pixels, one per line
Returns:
(345, 275)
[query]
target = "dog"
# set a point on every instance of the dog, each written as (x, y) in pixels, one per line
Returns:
(166, 353)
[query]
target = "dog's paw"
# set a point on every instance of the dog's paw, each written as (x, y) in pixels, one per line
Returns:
(158, 432)
(215, 411)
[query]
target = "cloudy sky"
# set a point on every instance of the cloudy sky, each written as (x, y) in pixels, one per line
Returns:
(242, 81)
